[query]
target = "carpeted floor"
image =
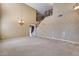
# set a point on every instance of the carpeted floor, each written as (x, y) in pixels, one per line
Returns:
(35, 46)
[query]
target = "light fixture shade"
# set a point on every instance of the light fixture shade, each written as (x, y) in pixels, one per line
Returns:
(21, 22)
(76, 6)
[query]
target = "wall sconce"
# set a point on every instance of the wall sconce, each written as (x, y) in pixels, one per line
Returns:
(21, 22)
(76, 6)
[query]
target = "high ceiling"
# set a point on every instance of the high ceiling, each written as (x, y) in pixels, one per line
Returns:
(41, 7)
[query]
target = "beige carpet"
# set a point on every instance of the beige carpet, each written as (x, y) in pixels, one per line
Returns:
(35, 46)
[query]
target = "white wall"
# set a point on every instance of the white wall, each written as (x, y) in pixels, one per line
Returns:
(9, 20)
(65, 27)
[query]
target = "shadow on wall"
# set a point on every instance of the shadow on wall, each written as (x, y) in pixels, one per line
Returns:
(0, 21)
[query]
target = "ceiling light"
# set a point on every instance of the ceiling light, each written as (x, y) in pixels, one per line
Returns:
(76, 6)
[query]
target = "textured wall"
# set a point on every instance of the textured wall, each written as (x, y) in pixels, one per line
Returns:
(10, 17)
(64, 27)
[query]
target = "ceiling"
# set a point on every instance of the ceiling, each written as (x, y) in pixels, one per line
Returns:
(41, 7)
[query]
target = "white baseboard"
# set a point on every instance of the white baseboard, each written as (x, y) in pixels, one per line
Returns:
(64, 40)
